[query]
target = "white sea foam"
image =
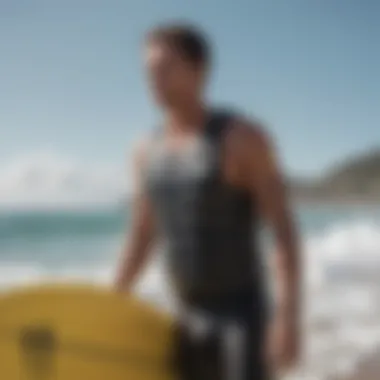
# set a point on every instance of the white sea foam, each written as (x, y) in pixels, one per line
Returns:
(342, 292)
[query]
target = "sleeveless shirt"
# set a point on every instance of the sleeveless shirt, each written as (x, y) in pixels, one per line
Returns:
(209, 227)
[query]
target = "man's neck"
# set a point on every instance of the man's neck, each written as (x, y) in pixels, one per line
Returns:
(187, 118)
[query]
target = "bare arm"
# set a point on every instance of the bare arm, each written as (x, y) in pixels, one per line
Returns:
(266, 182)
(141, 236)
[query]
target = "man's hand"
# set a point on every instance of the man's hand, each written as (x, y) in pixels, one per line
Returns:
(283, 344)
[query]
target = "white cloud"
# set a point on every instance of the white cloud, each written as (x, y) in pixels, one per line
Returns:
(49, 179)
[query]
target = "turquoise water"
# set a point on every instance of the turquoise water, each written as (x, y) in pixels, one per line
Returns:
(54, 240)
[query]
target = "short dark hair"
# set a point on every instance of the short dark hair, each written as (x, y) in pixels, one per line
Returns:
(186, 39)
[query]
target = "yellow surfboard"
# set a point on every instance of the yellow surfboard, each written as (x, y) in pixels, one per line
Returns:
(71, 332)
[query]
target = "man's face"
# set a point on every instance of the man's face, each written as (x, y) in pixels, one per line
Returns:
(172, 79)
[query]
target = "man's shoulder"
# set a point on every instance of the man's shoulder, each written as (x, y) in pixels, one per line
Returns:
(238, 118)
(142, 147)
(246, 131)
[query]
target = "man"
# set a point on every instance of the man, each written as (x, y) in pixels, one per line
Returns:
(205, 180)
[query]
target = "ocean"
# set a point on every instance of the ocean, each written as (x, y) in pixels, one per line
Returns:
(341, 257)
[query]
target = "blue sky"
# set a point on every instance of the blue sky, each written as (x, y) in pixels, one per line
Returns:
(72, 80)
